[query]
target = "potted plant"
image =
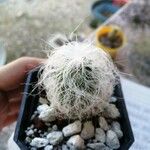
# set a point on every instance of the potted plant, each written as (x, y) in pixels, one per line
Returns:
(110, 38)
(74, 101)
(103, 9)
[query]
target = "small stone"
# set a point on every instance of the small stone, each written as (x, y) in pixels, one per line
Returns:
(94, 141)
(45, 133)
(54, 127)
(28, 139)
(72, 129)
(42, 107)
(32, 126)
(64, 147)
(115, 126)
(48, 114)
(100, 135)
(76, 142)
(112, 140)
(28, 128)
(48, 124)
(113, 99)
(33, 148)
(39, 142)
(35, 130)
(88, 130)
(49, 129)
(103, 123)
(30, 132)
(49, 147)
(33, 116)
(111, 111)
(55, 137)
(43, 100)
(35, 112)
(97, 146)
(39, 131)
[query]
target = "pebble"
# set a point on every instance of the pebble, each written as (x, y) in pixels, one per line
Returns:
(103, 123)
(35, 130)
(39, 131)
(72, 129)
(98, 146)
(42, 107)
(48, 124)
(54, 127)
(111, 111)
(55, 137)
(49, 129)
(33, 148)
(115, 126)
(30, 132)
(100, 135)
(76, 143)
(113, 99)
(88, 130)
(39, 142)
(49, 147)
(112, 140)
(28, 139)
(47, 114)
(43, 100)
(64, 147)
(32, 126)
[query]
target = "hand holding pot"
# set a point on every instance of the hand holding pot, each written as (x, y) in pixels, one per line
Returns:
(12, 78)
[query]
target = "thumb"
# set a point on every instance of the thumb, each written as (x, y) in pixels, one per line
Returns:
(13, 74)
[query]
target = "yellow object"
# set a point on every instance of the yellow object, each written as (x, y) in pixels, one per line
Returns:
(107, 30)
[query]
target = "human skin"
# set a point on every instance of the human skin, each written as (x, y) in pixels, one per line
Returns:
(12, 78)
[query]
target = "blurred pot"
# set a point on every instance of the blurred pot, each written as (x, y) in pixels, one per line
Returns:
(103, 9)
(110, 38)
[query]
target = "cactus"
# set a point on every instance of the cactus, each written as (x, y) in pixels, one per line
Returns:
(79, 80)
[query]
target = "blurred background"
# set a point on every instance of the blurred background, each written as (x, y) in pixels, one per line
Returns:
(120, 27)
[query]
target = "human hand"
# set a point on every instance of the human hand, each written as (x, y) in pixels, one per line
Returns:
(12, 77)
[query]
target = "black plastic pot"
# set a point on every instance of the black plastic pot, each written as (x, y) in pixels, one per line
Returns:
(30, 102)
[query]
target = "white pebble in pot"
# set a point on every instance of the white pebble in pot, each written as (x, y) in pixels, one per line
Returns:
(98, 146)
(72, 129)
(88, 130)
(39, 142)
(112, 140)
(100, 135)
(55, 137)
(103, 123)
(49, 147)
(76, 142)
(115, 126)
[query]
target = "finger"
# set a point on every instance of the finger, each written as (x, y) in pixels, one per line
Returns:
(14, 106)
(12, 95)
(8, 120)
(14, 73)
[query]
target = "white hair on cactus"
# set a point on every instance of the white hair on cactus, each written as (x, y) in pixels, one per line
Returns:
(78, 79)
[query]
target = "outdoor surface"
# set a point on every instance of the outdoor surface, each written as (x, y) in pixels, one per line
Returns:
(26, 26)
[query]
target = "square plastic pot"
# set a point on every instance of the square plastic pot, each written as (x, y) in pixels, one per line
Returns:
(30, 102)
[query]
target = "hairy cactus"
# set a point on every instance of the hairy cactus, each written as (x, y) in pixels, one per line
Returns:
(79, 80)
